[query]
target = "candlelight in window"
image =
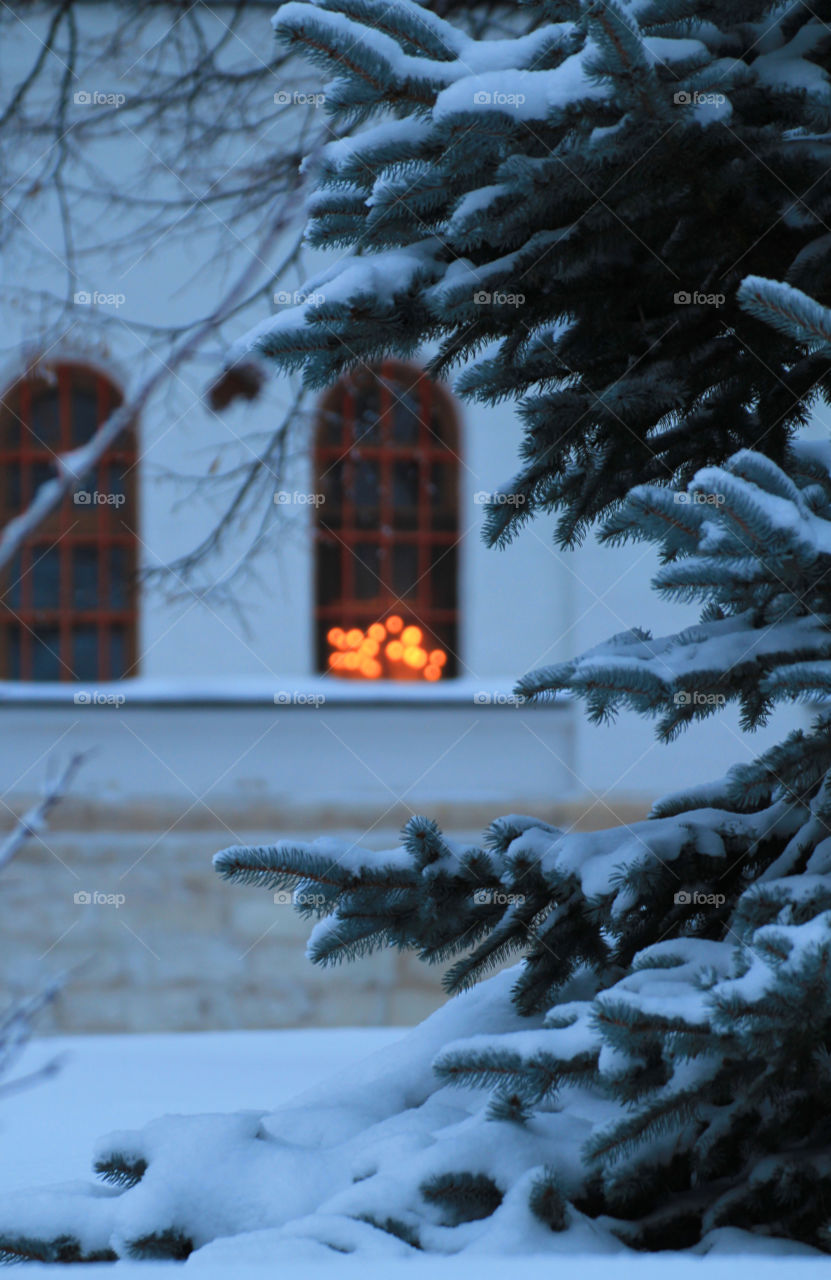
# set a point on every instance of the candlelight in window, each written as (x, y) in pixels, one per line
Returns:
(387, 650)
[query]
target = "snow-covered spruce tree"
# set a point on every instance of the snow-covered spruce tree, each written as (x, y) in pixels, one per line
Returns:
(568, 215)
(656, 1068)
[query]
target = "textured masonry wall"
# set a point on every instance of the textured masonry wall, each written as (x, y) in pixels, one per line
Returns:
(185, 950)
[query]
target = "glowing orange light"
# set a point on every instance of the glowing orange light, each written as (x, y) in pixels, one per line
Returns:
(385, 650)
(415, 657)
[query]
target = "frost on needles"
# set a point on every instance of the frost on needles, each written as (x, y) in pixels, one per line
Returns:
(567, 216)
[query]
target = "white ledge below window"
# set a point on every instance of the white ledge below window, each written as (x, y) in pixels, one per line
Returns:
(283, 692)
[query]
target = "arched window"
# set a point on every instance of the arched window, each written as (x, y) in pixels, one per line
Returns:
(387, 468)
(68, 606)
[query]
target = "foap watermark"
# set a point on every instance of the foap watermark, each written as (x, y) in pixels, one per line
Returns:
(97, 98)
(288, 698)
(697, 98)
(483, 499)
(683, 298)
(85, 898)
(296, 298)
(696, 898)
(96, 698)
(484, 298)
(294, 98)
(295, 497)
(96, 498)
(697, 499)
(497, 897)
(83, 298)
(487, 698)
(694, 698)
(298, 898)
(486, 98)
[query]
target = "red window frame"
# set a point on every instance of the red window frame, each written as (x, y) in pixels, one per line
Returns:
(26, 459)
(435, 535)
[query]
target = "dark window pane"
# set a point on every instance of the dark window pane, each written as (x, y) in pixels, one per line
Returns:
(365, 427)
(118, 653)
(84, 577)
(115, 482)
(405, 480)
(46, 421)
(10, 423)
(404, 569)
(13, 651)
(441, 432)
(84, 416)
(329, 578)
(367, 570)
(330, 485)
(332, 419)
(443, 577)
(119, 578)
(10, 596)
(46, 577)
(442, 493)
(46, 664)
(366, 494)
(39, 473)
(85, 665)
(405, 414)
(11, 488)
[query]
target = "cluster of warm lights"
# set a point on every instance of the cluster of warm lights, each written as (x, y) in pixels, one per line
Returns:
(386, 649)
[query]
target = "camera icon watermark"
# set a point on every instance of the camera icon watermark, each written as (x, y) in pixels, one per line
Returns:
(299, 898)
(683, 298)
(483, 298)
(289, 698)
(484, 499)
(289, 98)
(95, 498)
(698, 499)
(695, 98)
(95, 98)
(484, 98)
(687, 698)
(297, 297)
(495, 698)
(496, 897)
(295, 497)
(95, 698)
(83, 898)
(83, 298)
(695, 898)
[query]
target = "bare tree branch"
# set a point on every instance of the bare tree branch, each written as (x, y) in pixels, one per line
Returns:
(35, 819)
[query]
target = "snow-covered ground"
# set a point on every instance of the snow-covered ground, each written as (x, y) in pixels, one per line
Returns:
(115, 1082)
(122, 1082)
